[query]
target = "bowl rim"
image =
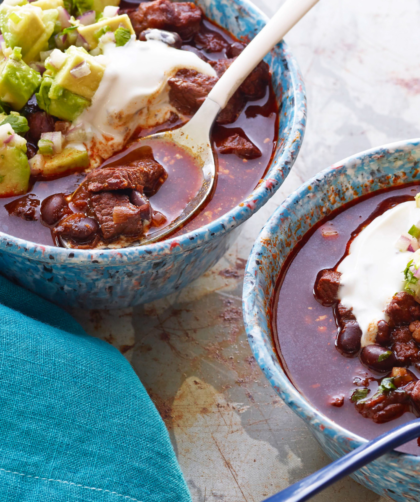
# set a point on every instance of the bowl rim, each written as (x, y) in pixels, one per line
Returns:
(227, 222)
(251, 294)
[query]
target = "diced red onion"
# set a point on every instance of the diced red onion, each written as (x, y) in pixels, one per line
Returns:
(37, 66)
(57, 59)
(81, 70)
(5, 132)
(87, 18)
(76, 134)
(56, 138)
(109, 36)
(403, 243)
(82, 42)
(110, 11)
(416, 273)
(9, 139)
(63, 17)
(1, 38)
(60, 41)
(415, 244)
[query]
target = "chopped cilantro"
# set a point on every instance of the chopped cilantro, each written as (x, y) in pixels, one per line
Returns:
(45, 147)
(384, 356)
(387, 384)
(414, 232)
(69, 29)
(122, 36)
(359, 394)
(99, 33)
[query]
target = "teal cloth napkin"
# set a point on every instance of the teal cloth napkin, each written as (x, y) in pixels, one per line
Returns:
(76, 424)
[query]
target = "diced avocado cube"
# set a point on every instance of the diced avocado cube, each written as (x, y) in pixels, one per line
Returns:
(14, 171)
(27, 27)
(99, 5)
(17, 82)
(93, 31)
(85, 86)
(48, 4)
(67, 106)
(70, 159)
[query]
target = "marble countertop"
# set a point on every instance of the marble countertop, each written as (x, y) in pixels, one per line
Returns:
(235, 439)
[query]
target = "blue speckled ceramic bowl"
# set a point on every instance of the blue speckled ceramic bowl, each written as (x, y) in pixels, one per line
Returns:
(394, 475)
(127, 277)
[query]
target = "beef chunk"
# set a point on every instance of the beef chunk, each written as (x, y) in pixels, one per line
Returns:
(406, 353)
(232, 110)
(142, 174)
(401, 334)
(344, 313)
(38, 123)
(26, 207)
(326, 286)
(77, 228)
(403, 309)
(383, 407)
(255, 85)
(211, 41)
(240, 146)
(116, 215)
(188, 89)
(183, 18)
(415, 330)
(235, 49)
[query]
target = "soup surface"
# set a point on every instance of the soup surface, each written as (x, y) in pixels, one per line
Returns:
(255, 119)
(306, 331)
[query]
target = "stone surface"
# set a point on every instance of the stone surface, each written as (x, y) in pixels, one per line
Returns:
(235, 439)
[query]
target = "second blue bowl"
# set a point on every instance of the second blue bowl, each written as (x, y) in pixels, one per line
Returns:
(394, 475)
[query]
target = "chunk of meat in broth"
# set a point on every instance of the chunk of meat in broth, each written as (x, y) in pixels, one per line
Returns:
(183, 18)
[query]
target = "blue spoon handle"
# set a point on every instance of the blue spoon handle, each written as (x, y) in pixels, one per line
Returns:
(310, 486)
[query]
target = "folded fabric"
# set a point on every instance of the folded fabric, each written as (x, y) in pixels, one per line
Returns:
(76, 424)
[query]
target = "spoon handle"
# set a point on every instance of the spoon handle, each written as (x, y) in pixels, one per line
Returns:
(284, 19)
(311, 485)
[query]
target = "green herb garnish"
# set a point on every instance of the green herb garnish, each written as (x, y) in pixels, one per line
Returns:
(359, 394)
(99, 33)
(69, 29)
(414, 232)
(387, 384)
(45, 147)
(122, 36)
(384, 356)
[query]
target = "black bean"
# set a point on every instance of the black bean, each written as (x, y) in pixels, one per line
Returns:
(143, 203)
(53, 208)
(378, 358)
(78, 228)
(348, 341)
(383, 334)
(137, 198)
(168, 37)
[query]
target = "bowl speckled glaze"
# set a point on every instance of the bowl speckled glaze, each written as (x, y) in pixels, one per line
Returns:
(131, 276)
(394, 475)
